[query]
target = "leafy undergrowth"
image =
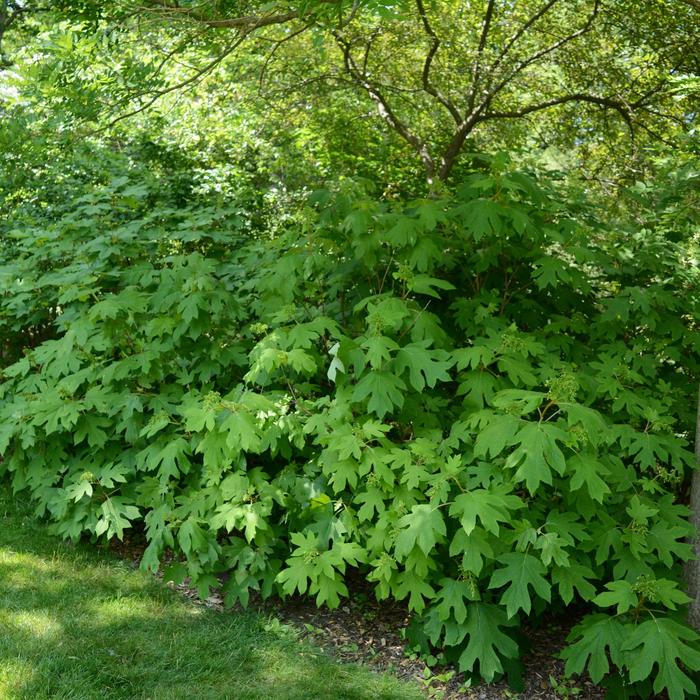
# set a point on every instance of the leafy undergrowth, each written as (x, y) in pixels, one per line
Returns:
(80, 625)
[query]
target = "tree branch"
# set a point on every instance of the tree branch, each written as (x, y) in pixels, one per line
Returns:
(246, 23)
(516, 36)
(541, 53)
(624, 109)
(449, 157)
(427, 64)
(564, 40)
(385, 111)
(453, 149)
(270, 56)
(476, 70)
(199, 74)
(10, 12)
(537, 55)
(178, 47)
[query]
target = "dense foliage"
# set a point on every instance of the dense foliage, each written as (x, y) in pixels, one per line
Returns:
(285, 357)
(481, 401)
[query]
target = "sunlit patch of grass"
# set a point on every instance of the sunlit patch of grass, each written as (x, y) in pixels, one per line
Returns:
(78, 625)
(13, 674)
(37, 623)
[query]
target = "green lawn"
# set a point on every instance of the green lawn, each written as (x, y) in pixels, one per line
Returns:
(75, 624)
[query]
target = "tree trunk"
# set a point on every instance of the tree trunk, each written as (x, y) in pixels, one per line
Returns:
(692, 568)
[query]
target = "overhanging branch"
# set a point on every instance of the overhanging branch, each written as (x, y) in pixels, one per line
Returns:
(521, 65)
(10, 13)
(622, 108)
(385, 110)
(476, 70)
(191, 80)
(428, 62)
(245, 23)
(524, 28)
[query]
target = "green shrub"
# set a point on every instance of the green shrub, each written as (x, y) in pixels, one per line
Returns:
(481, 401)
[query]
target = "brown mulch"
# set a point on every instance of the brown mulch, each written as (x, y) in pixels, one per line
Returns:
(365, 631)
(368, 632)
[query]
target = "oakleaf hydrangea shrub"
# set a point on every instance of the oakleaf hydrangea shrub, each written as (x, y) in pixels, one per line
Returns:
(481, 401)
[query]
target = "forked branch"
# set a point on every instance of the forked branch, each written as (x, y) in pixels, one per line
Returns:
(428, 62)
(385, 110)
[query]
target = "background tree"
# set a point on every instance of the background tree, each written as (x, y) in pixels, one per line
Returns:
(437, 74)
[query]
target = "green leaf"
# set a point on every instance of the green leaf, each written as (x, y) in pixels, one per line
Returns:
(416, 587)
(336, 364)
(667, 593)
(519, 400)
(191, 537)
(373, 502)
(116, 518)
(388, 313)
(109, 475)
(404, 232)
(475, 548)
(475, 357)
(423, 526)
(248, 517)
(620, 593)
(295, 577)
(477, 387)
(500, 432)
(646, 447)
(573, 577)
(424, 284)
(175, 572)
(300, 361)
(242, 432)
(156, 424)
(669, 542)
(663, 642)
(594, 424)
(378, 349)
(518, 371)
(343, 473)
(490, 508)
(482, 217)
(639, 511)
(425, 367)
(197, 417)
(586, 471)
(486, 642)
(90, 427)
(347, 442)
(328, 589)
(521, 571)
(384, 390)
(449, 601)
(78, 490)
(537, 454)
(593, 639)
(550, 271)
(552, 548)
(430, 213)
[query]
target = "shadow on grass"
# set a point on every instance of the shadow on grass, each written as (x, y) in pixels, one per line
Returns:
(77, 625)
